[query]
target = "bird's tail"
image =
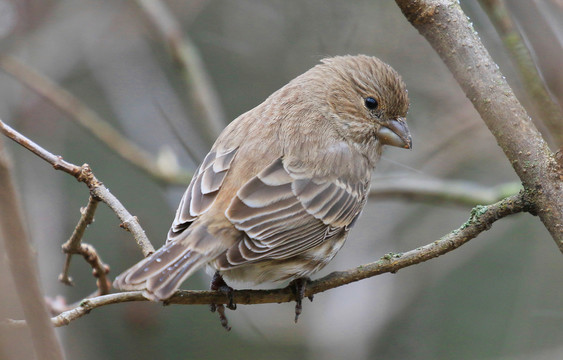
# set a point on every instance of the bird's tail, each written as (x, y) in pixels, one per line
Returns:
(161, 273)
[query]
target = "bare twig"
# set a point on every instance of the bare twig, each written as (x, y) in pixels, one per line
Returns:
(23, 266)
(84, 174)
(549, 112)
(99, 269)
(91, 121)
(481, 219)
(462, 193)
(447, 28)
(74, 245)
(185, 53)
(86, 218)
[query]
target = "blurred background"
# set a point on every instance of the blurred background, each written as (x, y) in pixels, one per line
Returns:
(498, 297)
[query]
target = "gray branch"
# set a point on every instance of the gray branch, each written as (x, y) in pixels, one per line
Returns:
(448, 29)
(481, 219)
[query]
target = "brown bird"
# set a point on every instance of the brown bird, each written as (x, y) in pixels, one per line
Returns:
(277, 194)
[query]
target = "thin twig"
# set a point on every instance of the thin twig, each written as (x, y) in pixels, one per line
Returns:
(185, 53)
(481, 219)
(91, 121)
(57, 161)
(84, 174)
(99, 269)
(74, 245)
(549, 112)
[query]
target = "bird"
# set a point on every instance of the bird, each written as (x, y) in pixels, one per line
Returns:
(276, 196)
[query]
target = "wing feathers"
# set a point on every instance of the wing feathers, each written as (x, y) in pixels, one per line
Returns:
(256, 194)
(284, 214)
(223, 160)
(203, 190)
(200, 201)
(211, 181)
(153, 264)
(275, 174)
(258, 217)
(161, 273)
(168, 281)
(281, 213)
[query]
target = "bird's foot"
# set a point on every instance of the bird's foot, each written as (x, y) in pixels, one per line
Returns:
(218, 284)
(298, 287)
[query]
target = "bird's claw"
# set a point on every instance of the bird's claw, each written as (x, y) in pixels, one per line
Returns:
(218, 284)
(222, 317)
(298, 287)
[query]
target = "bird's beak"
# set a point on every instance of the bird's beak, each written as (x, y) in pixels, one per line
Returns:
(395, 133)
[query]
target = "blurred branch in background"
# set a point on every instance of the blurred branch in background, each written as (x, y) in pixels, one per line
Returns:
(481, 219)
(97, 189)
(447, 28)
(192, 153)
(548, 111)
(463, 193)
(91, 121)
(23, 265)
(211, 119)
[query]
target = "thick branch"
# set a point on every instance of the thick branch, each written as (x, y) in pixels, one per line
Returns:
(84, 174)
(446, 27)
(23, 266)
(481, 219)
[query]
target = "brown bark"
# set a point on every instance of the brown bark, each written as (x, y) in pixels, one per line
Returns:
(446, 27)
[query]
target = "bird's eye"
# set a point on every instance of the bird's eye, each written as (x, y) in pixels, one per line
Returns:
(370, 103)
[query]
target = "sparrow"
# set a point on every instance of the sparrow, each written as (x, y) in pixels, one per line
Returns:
(279, 191)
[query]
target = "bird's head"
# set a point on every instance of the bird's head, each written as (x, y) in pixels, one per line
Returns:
(368, 99)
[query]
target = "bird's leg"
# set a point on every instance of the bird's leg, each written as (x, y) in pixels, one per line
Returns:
(298, 287)
(218, 284)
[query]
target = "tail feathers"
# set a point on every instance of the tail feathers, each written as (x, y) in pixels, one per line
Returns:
(161, 273)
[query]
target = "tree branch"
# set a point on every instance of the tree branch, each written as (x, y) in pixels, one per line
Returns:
(84, 174)
(481, 219)
(74, 245)
(23, 266)
(446, 27)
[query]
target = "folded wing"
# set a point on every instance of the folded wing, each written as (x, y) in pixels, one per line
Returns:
(202, 191)
(284, 214)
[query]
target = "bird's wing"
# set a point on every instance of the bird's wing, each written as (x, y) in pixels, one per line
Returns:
(161, 273)
(202, 191)
(284, 213)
